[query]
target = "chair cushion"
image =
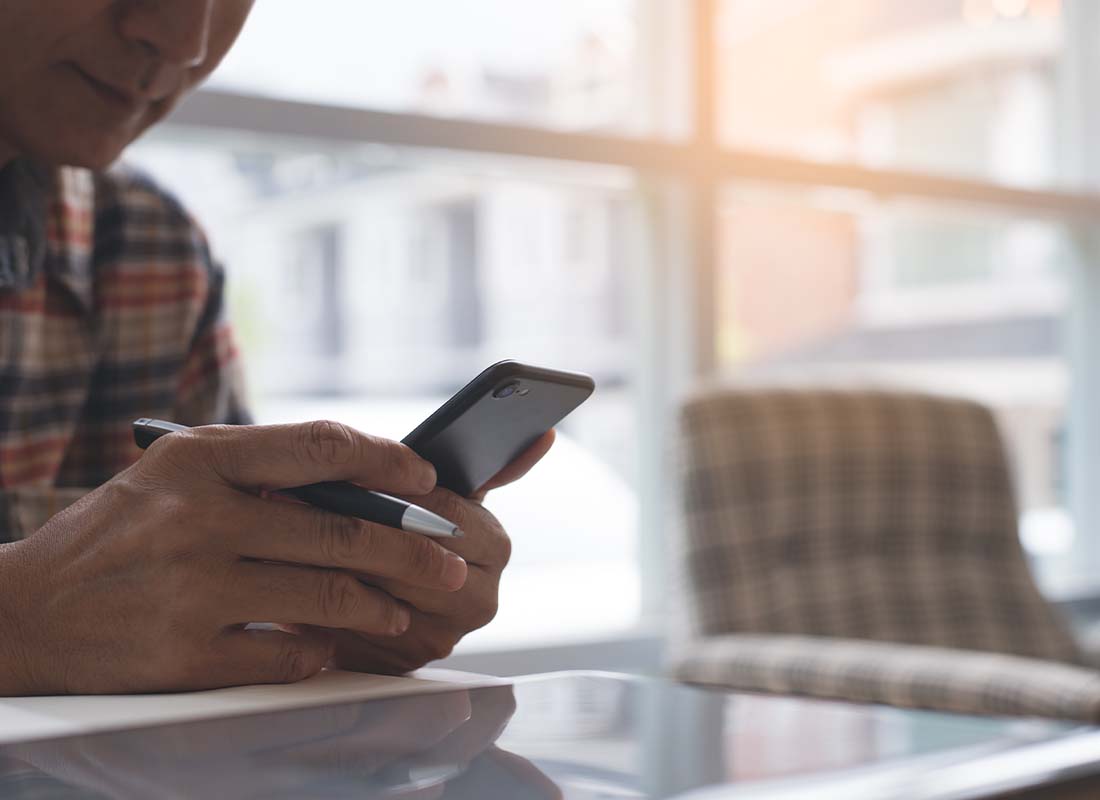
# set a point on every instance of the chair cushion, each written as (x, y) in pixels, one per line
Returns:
(963, 681)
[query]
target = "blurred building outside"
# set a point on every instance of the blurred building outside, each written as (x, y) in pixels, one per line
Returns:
(369, 291)
(842, 289)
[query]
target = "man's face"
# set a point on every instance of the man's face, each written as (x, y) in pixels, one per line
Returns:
(81, 79)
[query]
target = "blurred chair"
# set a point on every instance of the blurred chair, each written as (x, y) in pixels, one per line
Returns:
(863, 546)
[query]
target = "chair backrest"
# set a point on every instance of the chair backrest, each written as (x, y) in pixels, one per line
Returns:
(867, 514)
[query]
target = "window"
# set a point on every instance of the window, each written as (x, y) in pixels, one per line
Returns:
(369, 289)
(966, 87)
(657, 191)
(941, 299)
(572, 65)
(905, 286)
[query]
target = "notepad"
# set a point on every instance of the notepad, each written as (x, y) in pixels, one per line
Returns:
(29, 718)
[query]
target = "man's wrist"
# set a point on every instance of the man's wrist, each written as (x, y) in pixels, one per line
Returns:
(15, 667)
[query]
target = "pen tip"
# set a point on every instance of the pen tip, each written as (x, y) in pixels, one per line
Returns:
(457, 533)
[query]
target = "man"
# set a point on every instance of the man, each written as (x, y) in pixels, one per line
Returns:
(111, 308)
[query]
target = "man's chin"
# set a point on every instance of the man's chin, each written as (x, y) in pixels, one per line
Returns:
(96, 156)
(96, 153)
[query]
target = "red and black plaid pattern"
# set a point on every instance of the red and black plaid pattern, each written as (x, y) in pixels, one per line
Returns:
(858, 515)
(123, 318)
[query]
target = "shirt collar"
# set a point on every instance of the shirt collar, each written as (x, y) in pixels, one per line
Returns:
(69, 233)
(46, 218)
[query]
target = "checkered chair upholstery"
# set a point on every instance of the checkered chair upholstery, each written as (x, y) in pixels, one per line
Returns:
(863, 545)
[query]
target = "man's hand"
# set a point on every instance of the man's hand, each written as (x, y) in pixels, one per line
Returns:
(146, 583)
(440, 619)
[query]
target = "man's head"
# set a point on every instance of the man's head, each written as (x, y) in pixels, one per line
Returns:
(81, 79)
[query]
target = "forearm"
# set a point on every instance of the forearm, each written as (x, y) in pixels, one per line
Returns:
(15, 672)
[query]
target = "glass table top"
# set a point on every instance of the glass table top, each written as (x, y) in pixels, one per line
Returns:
(576, 736)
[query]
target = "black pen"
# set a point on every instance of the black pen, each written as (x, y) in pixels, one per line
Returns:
(339, 497)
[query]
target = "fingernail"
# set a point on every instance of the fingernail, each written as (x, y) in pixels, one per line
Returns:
(454, 571)
(402, 621)
(430, 478)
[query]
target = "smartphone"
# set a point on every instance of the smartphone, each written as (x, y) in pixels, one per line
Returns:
(493, 419)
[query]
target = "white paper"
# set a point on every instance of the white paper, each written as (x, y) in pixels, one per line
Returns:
(27, 718)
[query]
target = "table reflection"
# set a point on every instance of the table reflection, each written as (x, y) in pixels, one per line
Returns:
(596, 737)
(578, 737)
(413, 747)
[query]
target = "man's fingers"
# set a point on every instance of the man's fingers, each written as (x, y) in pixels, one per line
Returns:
(300, 534)
(261, 656)
(484, 541)
(521, 466)
(283, 456)
(479, 595)
(283, 593)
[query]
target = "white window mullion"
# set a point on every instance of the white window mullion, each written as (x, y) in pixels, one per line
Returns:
(1080, 115)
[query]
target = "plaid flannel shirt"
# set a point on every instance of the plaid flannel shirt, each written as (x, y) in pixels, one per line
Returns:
(111, 309)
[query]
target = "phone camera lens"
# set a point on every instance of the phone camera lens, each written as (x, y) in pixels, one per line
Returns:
(507, 390)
